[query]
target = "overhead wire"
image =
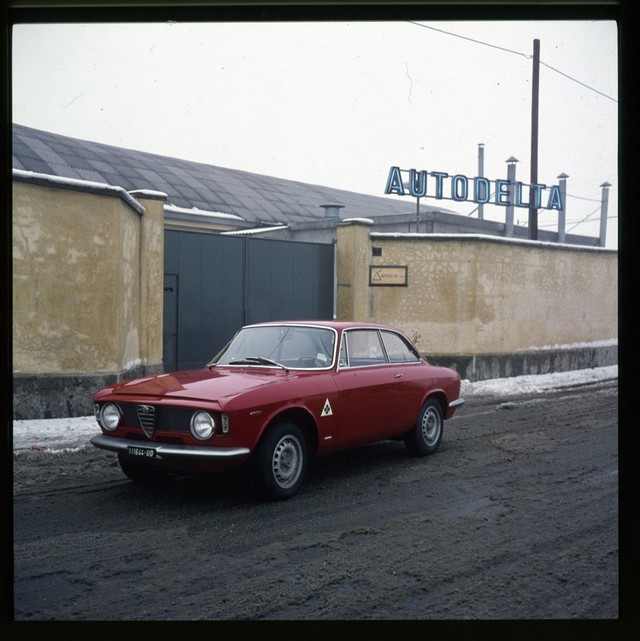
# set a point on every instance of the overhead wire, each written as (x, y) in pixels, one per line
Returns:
(528, 56)
(518, 53)
(578, 81)
(584, 220)
(456, 35)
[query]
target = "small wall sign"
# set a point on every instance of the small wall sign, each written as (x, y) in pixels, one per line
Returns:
(387, 276)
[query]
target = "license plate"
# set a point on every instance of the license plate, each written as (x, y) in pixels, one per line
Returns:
(141, 452)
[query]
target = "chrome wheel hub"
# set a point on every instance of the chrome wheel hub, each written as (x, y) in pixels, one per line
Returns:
(287, 461)
(431, 426)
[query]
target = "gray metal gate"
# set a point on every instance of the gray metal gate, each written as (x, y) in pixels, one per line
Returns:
(214, 284)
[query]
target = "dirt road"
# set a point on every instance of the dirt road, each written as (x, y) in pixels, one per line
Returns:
(515, 517)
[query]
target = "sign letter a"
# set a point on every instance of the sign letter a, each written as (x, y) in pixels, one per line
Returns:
(394, 182)
(555, 198)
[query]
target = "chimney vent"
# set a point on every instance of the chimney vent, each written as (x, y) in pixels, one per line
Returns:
(332, 210)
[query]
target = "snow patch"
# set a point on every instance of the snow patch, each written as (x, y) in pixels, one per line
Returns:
(364, 221)
(201, 212)
(255, 230)
(612, 342)
(78, 183)
(132, 364)
(487, 237)
(536, 383)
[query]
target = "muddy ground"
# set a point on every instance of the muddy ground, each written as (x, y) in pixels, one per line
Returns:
(516, 517)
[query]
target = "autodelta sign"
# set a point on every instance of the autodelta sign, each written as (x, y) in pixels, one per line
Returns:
(440, 185)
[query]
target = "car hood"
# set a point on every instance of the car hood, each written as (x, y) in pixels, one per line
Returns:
(201, 384)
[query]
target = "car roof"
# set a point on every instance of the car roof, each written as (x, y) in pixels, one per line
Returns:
(338, 325)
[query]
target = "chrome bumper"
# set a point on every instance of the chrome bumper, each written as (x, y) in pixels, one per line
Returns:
(457, 403)
(164, 450)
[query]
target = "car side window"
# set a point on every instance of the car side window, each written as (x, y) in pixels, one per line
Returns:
(398, 350)
(343, 361)
(364, 348)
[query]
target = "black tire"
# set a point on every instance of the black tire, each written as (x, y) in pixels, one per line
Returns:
(140, 472)
(280, 463)
(425, 436)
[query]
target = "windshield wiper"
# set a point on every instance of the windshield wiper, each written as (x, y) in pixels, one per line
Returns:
(257, 360)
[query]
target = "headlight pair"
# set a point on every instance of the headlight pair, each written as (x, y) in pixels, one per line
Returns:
(203, 425)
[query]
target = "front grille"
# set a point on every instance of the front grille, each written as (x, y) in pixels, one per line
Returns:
(147, 418)
(167, 417)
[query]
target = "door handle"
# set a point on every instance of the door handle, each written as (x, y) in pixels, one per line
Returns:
(399, 375)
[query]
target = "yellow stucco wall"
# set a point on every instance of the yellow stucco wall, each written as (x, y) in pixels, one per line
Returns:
(78, 291)
(478, 295)
(84, 301)
(151, 278)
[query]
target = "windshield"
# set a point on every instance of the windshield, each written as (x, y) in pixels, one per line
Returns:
(288, 346)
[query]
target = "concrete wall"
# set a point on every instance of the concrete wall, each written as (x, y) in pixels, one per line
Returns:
(85, 302)
(473, 295)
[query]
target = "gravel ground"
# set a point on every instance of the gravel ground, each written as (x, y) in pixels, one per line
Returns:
(516, 517)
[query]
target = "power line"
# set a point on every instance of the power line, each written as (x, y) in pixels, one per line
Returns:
(578, 81)
(593, 200)
(577, 223)
(518, 53)
(585, 219)
(455, 35)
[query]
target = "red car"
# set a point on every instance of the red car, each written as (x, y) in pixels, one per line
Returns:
(277, 394)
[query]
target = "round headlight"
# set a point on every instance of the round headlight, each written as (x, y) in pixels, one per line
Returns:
(202, 425)
(110, 416)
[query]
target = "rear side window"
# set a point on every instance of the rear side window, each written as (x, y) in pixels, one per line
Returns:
(398, 350)
(364, 348)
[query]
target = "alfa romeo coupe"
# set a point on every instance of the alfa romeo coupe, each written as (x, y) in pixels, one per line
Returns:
(276, 395)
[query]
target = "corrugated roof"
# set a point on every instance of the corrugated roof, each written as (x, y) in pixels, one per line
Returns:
(254, 197)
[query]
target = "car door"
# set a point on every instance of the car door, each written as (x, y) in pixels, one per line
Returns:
(411, 378)
(369, 389)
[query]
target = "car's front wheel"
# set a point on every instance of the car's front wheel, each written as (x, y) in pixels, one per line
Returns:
(280, 462)
(425, 436)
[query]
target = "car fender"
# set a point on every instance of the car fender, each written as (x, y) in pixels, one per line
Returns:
(315, 416)
(439, 395)
(447, 391)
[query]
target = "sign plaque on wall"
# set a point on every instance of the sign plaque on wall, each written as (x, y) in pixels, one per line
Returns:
(387, 275)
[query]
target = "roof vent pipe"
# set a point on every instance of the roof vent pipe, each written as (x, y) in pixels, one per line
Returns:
(332, 210)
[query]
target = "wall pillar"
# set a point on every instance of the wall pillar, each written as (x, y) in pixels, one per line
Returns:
(562, 214)
(604, 206)
(151, 275)
(353, 251)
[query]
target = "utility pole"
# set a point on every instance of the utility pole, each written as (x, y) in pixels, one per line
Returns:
(481, 174)
(533, 211)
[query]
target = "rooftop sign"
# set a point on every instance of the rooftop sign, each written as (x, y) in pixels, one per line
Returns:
(440, 185)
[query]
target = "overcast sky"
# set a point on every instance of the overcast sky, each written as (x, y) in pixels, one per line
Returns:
(338, 104)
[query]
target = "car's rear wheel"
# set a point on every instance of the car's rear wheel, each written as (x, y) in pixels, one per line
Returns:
(425, 436)
(139, 471)
(280, 462)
